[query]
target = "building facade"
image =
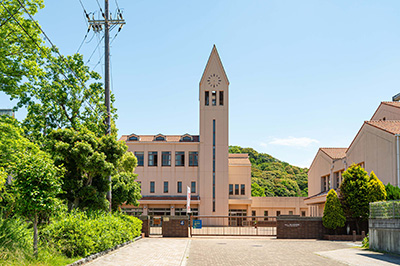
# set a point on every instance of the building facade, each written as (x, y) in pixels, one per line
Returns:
(220, 182)
(376, 147)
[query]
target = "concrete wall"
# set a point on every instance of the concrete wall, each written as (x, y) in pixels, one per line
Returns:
(283, 204)
(384, 234)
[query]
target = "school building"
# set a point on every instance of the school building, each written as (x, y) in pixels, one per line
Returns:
(220, 182)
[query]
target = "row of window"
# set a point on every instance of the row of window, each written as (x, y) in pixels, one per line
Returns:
(214, 98)
(178, 187)
(326, 182)
(242, 189)
(166, 158)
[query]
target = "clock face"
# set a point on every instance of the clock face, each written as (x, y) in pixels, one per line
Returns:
(214, 80)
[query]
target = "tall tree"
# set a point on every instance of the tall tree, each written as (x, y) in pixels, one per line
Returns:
(125, 190)
(354, 194)
(36, 183)
(376, 189)
(333, 213)
(88, 161)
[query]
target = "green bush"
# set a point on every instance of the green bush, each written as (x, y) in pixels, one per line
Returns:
(333, 213)
(14, 235)
(393, 193)
(365, 242)
(82, 234)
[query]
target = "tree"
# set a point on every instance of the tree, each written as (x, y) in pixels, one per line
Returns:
(256, 190)
(393, 193)
(124, 188)
(88, 161)
(376, 189)
(36, 184)
(354, 194)
(3, 178)
(333, 213)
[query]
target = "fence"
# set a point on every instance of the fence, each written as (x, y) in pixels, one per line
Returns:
(384, 209)
(233, 225)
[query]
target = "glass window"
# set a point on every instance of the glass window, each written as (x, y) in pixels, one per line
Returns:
(193, 187)
(207, 99)
(265, 214)
(214, 98)
(290, 212)
(133, 138)
(165, 186)
(230, 189)
(278, 213)
(180, 158)
(140, 157)
(242, 189)
(193, 158)
(160, 138)
(166, 158)
(221, 98)
(236, 189)
(179, 187)
(152, 187)
(253, 213)
(303, 213)
(153, 158)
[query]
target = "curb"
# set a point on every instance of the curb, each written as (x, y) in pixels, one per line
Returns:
(102, 253)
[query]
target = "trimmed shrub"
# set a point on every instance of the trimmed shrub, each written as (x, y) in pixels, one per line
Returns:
(333, 213)
(376, 189)
(82, 234)
(393, 193)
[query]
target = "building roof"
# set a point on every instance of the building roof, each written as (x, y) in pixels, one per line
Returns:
(395, 104)
(390, 126)
(335, 153)
(151, 138)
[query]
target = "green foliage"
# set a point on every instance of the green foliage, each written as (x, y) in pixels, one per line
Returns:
(385, 209)
(256, 190)
(82, 234)
(365, 242)
(376, 189)
(393, 193)
(124, 188)
(3, 178)
(274, 178)
(14, 235)
(333, 213)
(354, 194)
(88, 161)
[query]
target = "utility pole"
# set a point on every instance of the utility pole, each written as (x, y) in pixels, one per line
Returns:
(97, 27)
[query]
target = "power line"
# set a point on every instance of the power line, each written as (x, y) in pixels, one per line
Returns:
(40, 48)
(5, 22)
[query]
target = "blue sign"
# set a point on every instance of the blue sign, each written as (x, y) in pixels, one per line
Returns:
(197, 224)
(182, 222)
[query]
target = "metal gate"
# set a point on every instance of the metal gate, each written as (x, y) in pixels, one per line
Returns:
(155, 225)
(233, 225)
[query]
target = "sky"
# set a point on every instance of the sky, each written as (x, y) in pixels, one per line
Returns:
(303, 74)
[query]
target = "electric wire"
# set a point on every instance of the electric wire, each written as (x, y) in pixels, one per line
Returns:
(9, 18)
(41, 49)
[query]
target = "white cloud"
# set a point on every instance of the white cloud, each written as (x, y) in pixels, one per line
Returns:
(292, 142)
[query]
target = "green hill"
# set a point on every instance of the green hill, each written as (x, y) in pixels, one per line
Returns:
(273, 178)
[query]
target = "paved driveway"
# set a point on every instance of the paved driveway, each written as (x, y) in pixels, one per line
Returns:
(242, 251)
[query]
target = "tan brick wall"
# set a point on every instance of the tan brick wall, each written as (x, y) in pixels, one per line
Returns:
(293, 227)
(172, 227)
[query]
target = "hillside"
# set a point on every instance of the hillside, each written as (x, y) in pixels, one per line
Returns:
(273, 178)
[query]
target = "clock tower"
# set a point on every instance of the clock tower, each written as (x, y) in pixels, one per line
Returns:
(214, 131)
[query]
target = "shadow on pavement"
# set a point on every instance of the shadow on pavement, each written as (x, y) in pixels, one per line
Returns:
(382, 257)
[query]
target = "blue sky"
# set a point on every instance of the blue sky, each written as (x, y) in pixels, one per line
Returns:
(303, 74)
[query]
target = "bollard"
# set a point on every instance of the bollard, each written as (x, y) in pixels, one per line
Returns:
(354, 235)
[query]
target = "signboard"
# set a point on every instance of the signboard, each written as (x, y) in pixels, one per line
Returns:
(197, 224)
(182, 222)
(188, 200)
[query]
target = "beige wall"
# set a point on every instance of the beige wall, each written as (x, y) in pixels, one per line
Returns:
(160, 173)
(377, 150)
(283, 204)
(386, 112)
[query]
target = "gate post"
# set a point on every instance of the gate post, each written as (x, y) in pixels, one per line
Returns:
(146, 225)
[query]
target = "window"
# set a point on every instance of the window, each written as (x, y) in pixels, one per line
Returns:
(214, 98)
(230, 189)
(140, 158)
(290, 212)
(265, 214)
(278, 213)
(166, 158)
(193, 187)
(253, 213)
(180, 158)
(221, 98)
(324, 183)
(303, 213)
(152, 187)
(165, 186)
(207, 99)
(179, 187)
(236, 189)
(160, 138)
(133, 138)
(242, 189)
(153, 158)
(186, 138)
(193, 158)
